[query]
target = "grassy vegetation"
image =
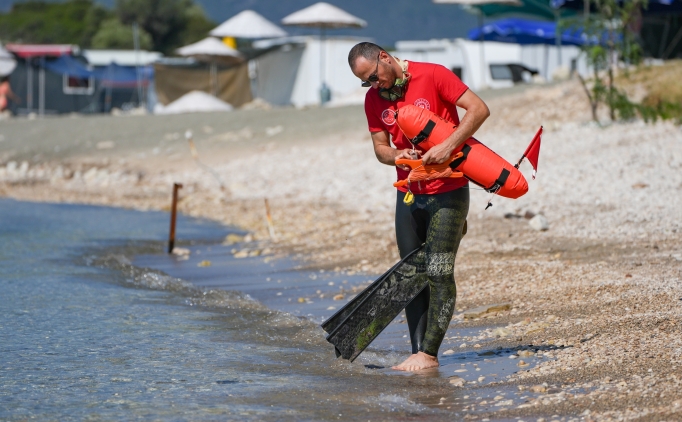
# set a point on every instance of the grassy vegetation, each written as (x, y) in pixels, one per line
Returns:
(663, 88)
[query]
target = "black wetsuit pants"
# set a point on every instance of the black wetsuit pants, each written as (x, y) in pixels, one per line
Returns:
(439, 221)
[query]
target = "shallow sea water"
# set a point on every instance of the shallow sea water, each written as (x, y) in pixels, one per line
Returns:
(99, 323)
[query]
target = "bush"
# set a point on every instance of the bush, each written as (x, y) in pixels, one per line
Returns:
(113, 34)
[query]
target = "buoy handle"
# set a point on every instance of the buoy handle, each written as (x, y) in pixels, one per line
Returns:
(416, 163)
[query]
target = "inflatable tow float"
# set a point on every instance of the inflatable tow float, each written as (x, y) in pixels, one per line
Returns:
(472, 159)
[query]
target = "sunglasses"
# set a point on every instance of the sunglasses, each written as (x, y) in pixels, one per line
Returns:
(374, 77)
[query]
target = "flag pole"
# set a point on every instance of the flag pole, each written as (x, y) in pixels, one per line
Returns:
(539, 132)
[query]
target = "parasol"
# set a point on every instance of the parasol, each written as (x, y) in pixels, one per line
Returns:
(248, 24)
(324, 16)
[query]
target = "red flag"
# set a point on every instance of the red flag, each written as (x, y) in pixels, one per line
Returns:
(533, 151)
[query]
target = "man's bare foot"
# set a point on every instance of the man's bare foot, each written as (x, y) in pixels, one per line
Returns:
(417, 362)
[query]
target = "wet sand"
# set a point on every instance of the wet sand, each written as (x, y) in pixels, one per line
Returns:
(313, 295)
(598, 294)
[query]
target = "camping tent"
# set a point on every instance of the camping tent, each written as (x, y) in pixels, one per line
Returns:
(213, 51)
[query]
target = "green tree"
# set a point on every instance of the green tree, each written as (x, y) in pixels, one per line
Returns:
(169, 22)
(71, 22)
(113, 34)
(198, 26)
(94, 18)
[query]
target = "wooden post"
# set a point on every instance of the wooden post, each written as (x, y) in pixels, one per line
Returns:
(174, 209)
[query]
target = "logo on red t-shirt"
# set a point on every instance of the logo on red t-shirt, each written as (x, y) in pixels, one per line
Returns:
(422, 103)
(388, 117)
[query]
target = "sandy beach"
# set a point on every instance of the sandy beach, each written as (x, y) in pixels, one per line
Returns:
(598, 293)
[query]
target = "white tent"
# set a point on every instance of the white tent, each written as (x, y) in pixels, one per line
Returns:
(248, 24)
(290, 74)
(211, 50)
(7, 62)
(323, 15)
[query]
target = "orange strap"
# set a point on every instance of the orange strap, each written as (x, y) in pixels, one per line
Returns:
(420, 171)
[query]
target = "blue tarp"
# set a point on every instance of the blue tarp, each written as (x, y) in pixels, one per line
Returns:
(112, 75)
(115, 75)
(67, 65)
(523, 31)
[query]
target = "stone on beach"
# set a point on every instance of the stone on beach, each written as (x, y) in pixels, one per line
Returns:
(457, 381)
(181, 251)
(539, 222)
(488, 309)
(232, 238)
(538, 389)
(243, 253)
(502, 332)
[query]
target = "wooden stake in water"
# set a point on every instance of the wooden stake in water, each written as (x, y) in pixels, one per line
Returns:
(174, 211)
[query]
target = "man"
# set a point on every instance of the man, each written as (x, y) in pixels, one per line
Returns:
(437, 217)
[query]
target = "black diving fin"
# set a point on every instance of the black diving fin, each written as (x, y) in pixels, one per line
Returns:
(352, 328)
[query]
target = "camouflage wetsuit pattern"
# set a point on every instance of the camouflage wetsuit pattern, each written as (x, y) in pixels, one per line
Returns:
(439, 221)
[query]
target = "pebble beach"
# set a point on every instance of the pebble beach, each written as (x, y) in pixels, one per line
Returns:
(588, 264)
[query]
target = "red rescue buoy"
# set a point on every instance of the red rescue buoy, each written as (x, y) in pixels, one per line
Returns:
(478, 163)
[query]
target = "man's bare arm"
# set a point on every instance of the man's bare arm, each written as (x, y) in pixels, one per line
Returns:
(385, 153)
(476, 113)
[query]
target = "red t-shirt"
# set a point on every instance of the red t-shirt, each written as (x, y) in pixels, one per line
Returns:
(432, 87)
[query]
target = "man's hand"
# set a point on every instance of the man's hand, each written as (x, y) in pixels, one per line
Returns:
(476, 113)
(438, 154)
(407, 154)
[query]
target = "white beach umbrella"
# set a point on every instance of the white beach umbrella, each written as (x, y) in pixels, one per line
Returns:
(248, 24)
(7, 62)
(480, 17)
(213, 51)
(210, 48)
(323, 15)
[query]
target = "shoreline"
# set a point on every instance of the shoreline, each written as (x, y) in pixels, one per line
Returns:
(608, 269)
